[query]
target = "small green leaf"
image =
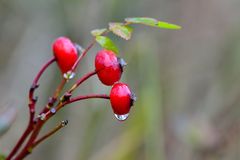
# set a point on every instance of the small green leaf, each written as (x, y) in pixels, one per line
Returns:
(107, 43)
(142, 20)
(2, 157)
(152, 22)
(166, 25)
(121, 30)
(98, 32)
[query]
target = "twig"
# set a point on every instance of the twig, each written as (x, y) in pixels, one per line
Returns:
(58, 127)
(31, 105)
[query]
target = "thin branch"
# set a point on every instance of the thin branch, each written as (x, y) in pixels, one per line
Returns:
(58, 127)
(78, 98)
(87, 49)
(31, 106)
(81, 80)
(25, 151)
(53, 99)
(82, 55)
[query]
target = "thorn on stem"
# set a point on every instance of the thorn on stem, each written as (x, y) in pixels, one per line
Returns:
(66, 97)
(34, 86)
(51, 101)
(35, 99)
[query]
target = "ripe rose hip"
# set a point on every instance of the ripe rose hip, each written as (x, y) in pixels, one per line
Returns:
(65, 53)
(121, 99)
(109, 67)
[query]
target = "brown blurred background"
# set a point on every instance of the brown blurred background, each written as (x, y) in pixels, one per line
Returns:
(187, 81)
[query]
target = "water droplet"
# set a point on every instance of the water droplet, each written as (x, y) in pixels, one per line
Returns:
(122, 117)
(53, 110)
(64, 123)
(42, 116)
(69, 75)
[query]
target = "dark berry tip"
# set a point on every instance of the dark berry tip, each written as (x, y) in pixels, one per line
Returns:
(79, 48)
(122, 63)
(133, 98)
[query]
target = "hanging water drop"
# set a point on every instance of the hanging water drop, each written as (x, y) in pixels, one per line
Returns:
(69, 75)
(122, 117)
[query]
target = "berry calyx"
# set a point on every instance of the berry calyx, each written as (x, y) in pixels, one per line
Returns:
(121, 99)
(65, 53)
(109, 67)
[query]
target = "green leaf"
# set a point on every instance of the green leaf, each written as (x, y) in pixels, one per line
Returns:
(152, 22)
(142, 20)
(121, 30)
(2, 157)
(98, 32)
(107, 43)
(166, 25)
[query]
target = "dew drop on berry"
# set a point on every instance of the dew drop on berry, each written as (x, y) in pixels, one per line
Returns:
(69, 75)
(121, 117)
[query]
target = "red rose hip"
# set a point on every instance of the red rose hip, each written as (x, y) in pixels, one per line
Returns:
(65, 53)
(109, 67)
(121, 99)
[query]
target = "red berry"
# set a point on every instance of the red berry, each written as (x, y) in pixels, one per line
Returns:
(65, 52)
(108, 67)
(121, 99)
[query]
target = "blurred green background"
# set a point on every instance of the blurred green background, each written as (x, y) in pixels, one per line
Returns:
(187, 81)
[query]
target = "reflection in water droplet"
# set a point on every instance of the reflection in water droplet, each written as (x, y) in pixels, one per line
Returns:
(121, 117)
(69, 75)
(53, 110)
(42, 116)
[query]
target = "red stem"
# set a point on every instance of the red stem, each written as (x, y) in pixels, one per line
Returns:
(32, 100)
(82, 55)
(31, 106)
(57, 128)
(81, 80)
(78, 98)
(28, 147)
(39, 124)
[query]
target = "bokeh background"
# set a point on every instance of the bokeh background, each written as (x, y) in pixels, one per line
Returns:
(187, 81)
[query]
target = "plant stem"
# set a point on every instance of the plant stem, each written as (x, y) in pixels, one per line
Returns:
(59, 88)
(20, 142)
(83, 54)
(53, 99)
(31, 106)
(81, 80)
(39, 124)
(29, 146)
(78, 98)
(27, 149)
(58, 127)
